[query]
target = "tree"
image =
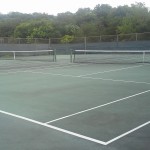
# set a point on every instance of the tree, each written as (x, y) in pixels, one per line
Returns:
(136, 20)
(84, 15)
(72, 29)
(35, 29)
(103, 13)
(67, 39)
(89, 29)
(102, 20)
(126, 27)
(103, 10)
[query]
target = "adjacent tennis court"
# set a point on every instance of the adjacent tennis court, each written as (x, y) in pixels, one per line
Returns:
(63, 105)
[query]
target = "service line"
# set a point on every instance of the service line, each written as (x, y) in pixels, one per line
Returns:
(93, 108)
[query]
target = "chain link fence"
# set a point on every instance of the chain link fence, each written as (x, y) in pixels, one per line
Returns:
(140, 41)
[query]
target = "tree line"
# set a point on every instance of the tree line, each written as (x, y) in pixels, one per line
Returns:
(102, 20)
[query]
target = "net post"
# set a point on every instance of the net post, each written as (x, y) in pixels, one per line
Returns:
(71, 56)
(14, 54)
(73, 59)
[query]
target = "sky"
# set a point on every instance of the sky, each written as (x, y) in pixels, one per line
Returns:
(53, 7)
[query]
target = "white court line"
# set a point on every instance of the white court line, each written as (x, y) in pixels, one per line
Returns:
(73, 133)
(72, 76)
(126, 133)
(80, 76)
(125, 81)
(80, 112)
(114, 70)
(54, 127)
(58, 66)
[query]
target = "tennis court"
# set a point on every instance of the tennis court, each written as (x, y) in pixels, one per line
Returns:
(74, 106)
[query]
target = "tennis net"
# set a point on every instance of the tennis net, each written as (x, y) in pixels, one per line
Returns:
(36, 55)
(113, 56)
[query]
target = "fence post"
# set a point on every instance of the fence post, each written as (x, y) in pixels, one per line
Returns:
(49, 43)
(100, 38)
(35, 42)
(117, 38)
(136, 36)
(85, 43)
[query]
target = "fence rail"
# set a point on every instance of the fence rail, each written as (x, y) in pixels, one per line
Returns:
(89, 39)
(135, 41)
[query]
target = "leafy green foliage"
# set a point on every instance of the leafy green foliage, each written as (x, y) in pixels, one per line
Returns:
(67, 39)
(103, 19)
(35, 29)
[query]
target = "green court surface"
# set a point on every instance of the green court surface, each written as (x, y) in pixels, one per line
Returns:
(72, 106)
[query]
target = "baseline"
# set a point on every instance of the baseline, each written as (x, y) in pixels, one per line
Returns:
(54, 127)
(73, 133)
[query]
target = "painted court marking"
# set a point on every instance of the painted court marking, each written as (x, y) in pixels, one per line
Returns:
(76, 134)
(126, 133)
(73, 133)
(53, 127)
(54, 66)
(80, 76)
(114, 70)
(72, 76)
(80, 112)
